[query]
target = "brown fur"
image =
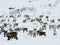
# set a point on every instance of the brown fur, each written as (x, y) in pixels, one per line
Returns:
(18, 29)
(25, 29)
(41, 33)
(30, 32)
(11, 35)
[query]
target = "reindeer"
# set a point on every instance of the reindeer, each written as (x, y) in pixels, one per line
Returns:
(5, 24)
(44, 23)
(47, 18)
(44, 27)
(41, 16)
(38, 19)
(58, 20)
(10, 35)
(1, 31)
(25, 29)
(11, 30)
(26, 16)
(54, 33)
(40, 33)
(32, 20)
(18, 15)
(3, 20)
(14, 20)
(41, 28)
(30, 32)
(11, 8)
(52, 26)
(24, 20)
(22, 29)
(11, 16)
(34, 33)
(1, 16)
(52, 21)
(58, 26)
(16, 24)
(19, 29)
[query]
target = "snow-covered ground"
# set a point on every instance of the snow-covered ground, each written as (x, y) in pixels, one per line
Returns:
(45, 7)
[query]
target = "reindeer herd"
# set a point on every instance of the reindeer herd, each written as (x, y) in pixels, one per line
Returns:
(13, 33)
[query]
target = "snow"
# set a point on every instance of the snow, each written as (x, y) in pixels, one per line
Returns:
(40, 7)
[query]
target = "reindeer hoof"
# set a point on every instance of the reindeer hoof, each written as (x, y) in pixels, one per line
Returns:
(8, 39)
(44, 35)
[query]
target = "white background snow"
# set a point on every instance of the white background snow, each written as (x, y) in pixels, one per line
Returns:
(41, 7)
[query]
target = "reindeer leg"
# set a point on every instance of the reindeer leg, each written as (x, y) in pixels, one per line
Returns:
(4, 34)
(19, 30)
(8, 38)
(26, 30)
(0, 32)
(31, 34)
(37, 33)
(44, 34)
(16, 38)
(23, 31)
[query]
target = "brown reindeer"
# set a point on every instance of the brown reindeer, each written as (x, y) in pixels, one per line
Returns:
(52, 26)
(10, 35)
(30, 32)
(22, 29)
(2, 31)
(40, 33)
(18, 29)
(25, 29)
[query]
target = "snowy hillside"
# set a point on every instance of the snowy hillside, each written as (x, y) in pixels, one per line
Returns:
(32, 8)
